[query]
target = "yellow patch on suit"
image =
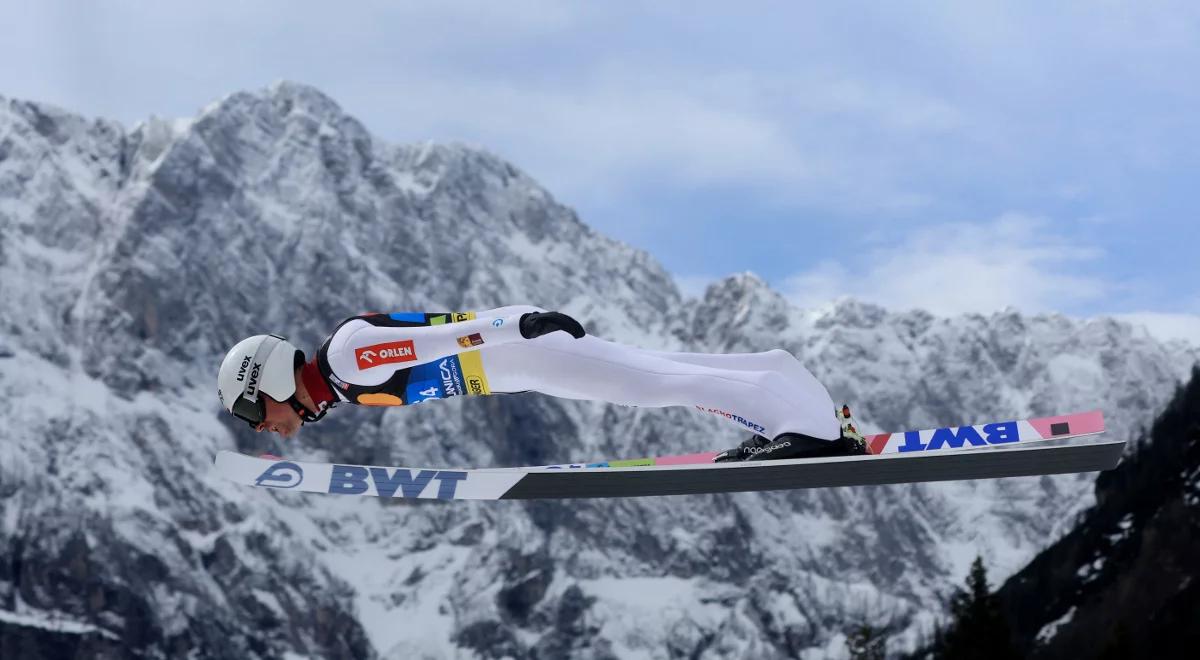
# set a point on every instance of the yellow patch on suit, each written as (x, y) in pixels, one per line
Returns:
(472, 367)
(453, 317)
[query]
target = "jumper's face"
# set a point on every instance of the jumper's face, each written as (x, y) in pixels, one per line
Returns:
(280, 419)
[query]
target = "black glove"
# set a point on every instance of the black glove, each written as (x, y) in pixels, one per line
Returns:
(536, 324)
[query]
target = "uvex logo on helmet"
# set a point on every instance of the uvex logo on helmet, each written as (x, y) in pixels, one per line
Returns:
(391, 352)
(242, 369)
(252, 386)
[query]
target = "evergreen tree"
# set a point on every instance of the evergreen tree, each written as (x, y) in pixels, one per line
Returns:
(1118, 646)
(978, 629)
(867, 642)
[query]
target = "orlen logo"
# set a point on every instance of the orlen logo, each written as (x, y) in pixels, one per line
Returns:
(281, 475)
(389, 353)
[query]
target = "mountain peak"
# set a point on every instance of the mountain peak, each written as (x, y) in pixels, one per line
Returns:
(851, 311)
(283, 101)
(56, 125)
(297, 95)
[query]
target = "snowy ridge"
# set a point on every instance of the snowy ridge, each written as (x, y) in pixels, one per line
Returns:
(53, 624)
(131, 260)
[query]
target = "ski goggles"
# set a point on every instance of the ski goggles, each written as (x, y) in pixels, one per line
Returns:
(252, 412)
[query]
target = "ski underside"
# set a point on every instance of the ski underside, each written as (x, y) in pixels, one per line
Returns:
(985, 451)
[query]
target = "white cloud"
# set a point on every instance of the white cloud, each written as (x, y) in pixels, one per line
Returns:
(1166, 327)
(1014, 260)
(791, 137)
(610, 132)
(603, 97)
(627, 111)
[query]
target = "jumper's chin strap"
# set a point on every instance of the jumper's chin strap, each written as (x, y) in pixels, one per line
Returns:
(317, 388)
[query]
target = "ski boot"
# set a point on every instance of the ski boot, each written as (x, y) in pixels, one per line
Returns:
(796, 445)
(852, 441)
(742, 451)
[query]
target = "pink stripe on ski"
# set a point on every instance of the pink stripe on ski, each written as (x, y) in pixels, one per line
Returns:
(686, 459)
(1077, 424)
(878, 442)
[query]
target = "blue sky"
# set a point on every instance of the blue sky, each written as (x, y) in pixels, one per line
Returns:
(952, 156)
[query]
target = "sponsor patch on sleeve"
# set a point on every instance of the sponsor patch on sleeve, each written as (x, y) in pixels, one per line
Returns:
(390, 352)
(435, 380)
(470, 340)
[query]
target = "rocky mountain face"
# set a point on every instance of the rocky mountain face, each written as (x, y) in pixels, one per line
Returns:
(130, 260)
(1124, 582)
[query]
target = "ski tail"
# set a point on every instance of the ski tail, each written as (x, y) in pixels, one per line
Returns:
(994, 434)
(997, 433)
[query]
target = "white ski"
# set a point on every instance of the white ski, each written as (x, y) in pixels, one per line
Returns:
(983, 451)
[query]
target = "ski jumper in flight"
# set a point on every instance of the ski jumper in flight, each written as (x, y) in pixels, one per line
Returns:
(411, 357)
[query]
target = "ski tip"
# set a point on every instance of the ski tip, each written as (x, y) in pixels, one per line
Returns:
(1085, 423)
(224, 459)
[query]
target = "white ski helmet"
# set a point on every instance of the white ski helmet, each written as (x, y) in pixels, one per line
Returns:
(263, 364)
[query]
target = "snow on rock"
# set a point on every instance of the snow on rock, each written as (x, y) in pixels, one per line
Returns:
(53, 623)
(1050, 629)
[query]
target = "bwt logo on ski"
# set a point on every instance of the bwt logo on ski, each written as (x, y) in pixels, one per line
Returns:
(281, 475)
(389, 353)
(993, 434)
(353, 480)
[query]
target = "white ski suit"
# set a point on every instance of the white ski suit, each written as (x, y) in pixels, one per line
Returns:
(406, 358)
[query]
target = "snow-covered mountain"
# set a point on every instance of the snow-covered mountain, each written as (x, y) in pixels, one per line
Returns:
(130, 260)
